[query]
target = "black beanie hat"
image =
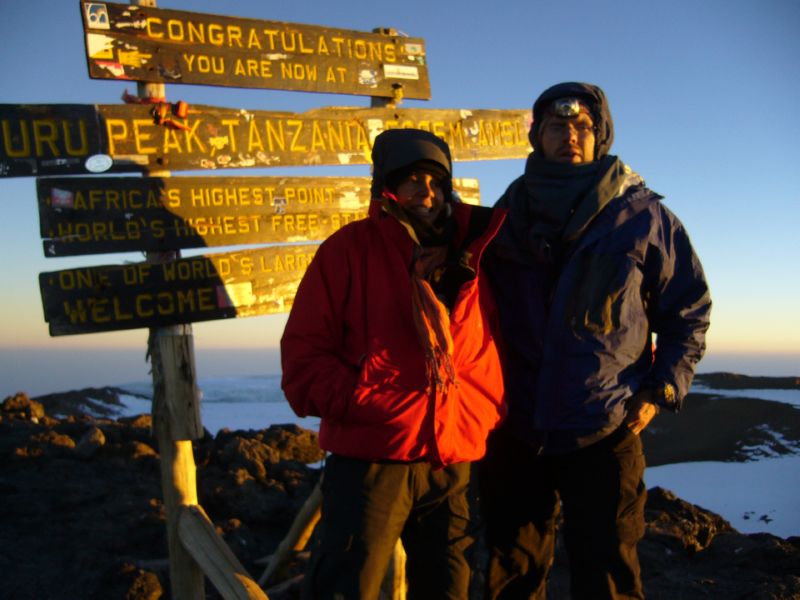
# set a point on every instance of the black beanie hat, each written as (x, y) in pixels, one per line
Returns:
(398, 149)
(592, 97)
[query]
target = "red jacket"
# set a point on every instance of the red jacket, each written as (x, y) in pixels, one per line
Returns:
(351, 355)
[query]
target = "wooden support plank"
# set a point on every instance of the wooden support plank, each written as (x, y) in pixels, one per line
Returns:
(220, 565)
(178, 482)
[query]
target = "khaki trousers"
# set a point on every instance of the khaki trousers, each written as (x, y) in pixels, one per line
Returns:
(368, 506)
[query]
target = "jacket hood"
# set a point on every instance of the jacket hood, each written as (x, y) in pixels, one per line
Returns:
(396, 149)
(595, 100)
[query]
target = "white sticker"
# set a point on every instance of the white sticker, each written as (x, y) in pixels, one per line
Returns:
(99, 163)
(400, 72)
(100, 46)
(414, 49)
(97, 15)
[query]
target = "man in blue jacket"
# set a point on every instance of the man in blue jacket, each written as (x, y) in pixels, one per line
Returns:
(588, 268)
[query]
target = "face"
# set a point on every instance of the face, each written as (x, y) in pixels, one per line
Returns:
(568, 139)
(421, 194)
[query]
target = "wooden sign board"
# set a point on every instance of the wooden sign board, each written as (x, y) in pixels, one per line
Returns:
(51, 139)
(73, 139)
(201, 288)
(91, 215)
(171, 46)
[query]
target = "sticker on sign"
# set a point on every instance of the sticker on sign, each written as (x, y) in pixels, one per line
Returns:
(414, 49)
(97, 15)
(99, 163)
(400, 72)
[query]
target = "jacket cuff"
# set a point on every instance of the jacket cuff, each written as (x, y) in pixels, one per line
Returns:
(664, 395)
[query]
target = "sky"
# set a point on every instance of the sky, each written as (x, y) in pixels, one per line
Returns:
(699, 92)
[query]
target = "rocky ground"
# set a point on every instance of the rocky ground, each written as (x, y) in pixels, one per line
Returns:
(82, 518)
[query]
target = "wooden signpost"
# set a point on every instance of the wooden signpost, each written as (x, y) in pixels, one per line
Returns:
(83, 215)
(161, 215)
(78, 139)
(171, 46)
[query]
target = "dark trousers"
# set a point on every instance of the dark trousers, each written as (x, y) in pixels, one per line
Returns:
(601, 491)
(367, 506)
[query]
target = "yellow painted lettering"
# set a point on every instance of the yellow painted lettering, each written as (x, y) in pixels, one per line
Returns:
(252, 40)
(117, 131)
(231, 124)
(140, 136)
(45, 133)
(153, 26)
(72, 150)
(275, 136)
(296, 146)
(8, 140)
(191, 134)
(143, 305)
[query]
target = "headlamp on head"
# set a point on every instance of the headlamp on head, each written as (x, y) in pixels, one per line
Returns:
(566, 107)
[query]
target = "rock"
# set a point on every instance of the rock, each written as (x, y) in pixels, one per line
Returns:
(251, 454)
(294, 443)
(672, 520)
(132, 583)
(91, 442)
(144, 422)
(139, 450)
(19, 406)
(95, 528)
(50, 443)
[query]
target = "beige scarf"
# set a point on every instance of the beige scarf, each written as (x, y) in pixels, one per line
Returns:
(431, 319)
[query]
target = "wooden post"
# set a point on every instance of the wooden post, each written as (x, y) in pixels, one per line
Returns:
(379, 101)
(175, 398)
(219, 563)
(173, 374)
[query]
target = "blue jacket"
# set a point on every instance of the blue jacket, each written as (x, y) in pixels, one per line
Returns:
(578, 335)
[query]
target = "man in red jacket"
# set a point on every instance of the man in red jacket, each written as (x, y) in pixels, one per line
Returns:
(391, 342)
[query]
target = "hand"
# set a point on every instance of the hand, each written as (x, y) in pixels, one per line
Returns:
(641, 410)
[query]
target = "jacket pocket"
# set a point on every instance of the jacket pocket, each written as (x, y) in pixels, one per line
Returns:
(605, 290)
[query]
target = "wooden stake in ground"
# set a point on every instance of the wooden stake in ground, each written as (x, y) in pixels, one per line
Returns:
(172, 362)
(219, 563)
